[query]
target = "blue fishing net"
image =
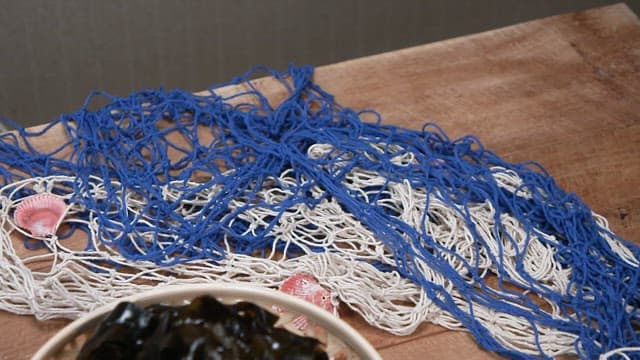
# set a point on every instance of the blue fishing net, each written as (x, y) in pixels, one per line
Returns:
(154, 141)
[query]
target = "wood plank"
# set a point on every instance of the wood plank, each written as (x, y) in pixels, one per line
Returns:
(443, 345)
(562, 91)
(547, 90)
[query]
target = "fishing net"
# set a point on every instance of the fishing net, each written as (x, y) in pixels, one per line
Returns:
(403, 226)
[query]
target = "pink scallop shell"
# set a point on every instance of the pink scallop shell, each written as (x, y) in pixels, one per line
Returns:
(306, 287)
(40, 214)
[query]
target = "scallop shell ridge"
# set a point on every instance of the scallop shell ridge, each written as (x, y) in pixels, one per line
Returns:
(40, 214)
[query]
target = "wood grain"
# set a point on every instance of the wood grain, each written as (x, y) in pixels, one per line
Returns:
(562, 91)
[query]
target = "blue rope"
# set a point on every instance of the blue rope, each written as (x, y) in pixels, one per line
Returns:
(151, 139)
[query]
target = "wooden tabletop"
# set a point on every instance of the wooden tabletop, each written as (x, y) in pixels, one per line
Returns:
(564, 91)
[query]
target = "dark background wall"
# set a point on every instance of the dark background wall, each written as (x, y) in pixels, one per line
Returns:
(55, 52)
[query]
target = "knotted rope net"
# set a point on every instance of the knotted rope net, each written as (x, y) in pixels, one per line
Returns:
(403, 226)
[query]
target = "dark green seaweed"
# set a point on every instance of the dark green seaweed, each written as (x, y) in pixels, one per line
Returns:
(203, 329)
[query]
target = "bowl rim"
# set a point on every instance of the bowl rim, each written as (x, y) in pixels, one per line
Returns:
(335, 325)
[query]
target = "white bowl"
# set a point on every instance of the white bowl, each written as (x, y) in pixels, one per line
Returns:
(228, 293)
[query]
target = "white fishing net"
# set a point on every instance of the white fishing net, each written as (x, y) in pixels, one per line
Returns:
(65, 280)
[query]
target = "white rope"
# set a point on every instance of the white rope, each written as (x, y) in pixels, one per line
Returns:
(619, 351)
(66, 281)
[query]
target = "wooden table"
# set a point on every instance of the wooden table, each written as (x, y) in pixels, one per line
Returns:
(564, 91)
